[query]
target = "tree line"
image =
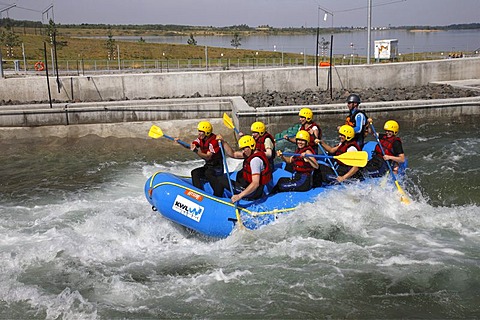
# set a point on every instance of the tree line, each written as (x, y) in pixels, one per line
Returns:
(186, 28)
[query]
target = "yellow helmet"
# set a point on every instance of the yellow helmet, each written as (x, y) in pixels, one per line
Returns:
(391, 125)
(307, 113)
(347, 131)
(303, 135)
(258, 127)
(206, 127)
(246, 141)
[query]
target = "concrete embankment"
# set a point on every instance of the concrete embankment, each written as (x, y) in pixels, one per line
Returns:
(277, 118)
(121, 118)
(235, 82)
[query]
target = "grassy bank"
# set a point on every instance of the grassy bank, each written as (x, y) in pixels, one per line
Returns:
(85, 42)
(85, 52)
(90, 48)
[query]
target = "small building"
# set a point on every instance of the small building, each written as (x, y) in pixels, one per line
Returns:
(386, 49)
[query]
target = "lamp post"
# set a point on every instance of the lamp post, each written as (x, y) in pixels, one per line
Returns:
(353, 53)
(7, 8)
(369, 31)
(329, 79)
(46, 12)
(1, 58)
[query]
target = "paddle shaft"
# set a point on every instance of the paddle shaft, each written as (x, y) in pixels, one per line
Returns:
(352, 159)
(282, 138)
(225, 165)
(155, 132)
(328, 159)
(403, 197)
(318, 156)
(183, 143)
(383, 151)
(237, 213)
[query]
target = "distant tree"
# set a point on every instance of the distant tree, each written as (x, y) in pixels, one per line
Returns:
(236, 41)
(110, 44)
(10, 40)
(191, 41)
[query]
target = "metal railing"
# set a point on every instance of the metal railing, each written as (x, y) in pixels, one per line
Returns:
(90, 66)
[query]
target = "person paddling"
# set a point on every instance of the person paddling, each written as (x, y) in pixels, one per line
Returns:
(207, 148)
(255, 172)
(264, 141)
(306, 120)
(346, 144)
(357, 119)
(303, 166)
(392, 147)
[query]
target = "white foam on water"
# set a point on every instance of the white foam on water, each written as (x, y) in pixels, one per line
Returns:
(107, 251)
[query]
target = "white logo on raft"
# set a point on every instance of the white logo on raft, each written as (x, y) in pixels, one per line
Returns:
(188, 208)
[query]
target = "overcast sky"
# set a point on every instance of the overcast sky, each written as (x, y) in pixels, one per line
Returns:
(276, 13)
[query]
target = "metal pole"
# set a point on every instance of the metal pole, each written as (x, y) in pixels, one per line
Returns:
(118, 55)
(206, 58)
(369, 31)
(24, 58)
(316, 57)
(1, 64)
(56, 61)
(330, 68)
(46, 73)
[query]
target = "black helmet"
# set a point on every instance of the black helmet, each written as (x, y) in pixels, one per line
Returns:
(353, 98)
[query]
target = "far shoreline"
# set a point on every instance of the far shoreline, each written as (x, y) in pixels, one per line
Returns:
(425, 30)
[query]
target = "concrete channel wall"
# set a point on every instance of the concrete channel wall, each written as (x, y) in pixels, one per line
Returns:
(235, 82)
(277, 118)
(114, 111)
(412, 111)
(135, 107)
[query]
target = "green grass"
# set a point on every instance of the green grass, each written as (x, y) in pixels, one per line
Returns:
(83, 48)
(90, 51)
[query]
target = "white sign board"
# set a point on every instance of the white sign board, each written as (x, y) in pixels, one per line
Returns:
(386, 49)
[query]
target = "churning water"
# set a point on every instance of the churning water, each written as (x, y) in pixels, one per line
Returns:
(78, 240)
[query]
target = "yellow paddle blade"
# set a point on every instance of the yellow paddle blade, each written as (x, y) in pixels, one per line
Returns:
(155, 132)
(403, 196)
(228, 122)
(354, 158)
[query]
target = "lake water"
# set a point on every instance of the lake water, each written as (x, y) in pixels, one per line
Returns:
(78, 239)
(408, 42)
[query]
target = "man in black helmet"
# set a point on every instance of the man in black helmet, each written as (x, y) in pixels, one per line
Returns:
(357, 119)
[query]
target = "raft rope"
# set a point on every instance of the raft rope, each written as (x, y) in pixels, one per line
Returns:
(252, 213)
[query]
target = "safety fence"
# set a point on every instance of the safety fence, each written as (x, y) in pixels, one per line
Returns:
(86, 66)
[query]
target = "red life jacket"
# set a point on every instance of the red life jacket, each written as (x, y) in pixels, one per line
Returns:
(299, 164)
(265, 175)
(260, 142)
(387, 144)
(204, 147)
(312, 143)
(260, 145)
(344, 147)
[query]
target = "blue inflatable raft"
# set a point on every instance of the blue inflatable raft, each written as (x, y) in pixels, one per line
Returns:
(179, 201)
